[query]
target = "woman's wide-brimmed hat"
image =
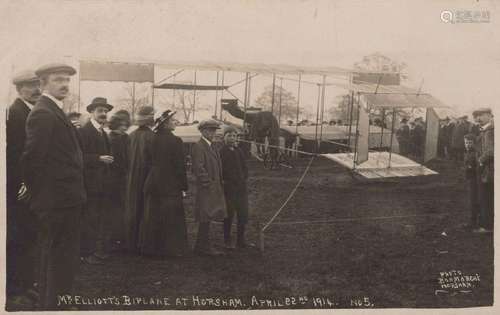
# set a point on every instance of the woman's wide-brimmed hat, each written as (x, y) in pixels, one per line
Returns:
(162, 117)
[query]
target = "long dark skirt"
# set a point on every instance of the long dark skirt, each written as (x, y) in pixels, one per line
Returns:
(163, 230)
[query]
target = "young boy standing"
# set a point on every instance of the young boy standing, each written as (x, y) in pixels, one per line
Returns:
(234, 174)
(470, 164)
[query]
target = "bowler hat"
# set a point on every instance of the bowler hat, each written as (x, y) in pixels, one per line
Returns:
(55, 68)
(25, 77)
(208, 124)
(99, 102)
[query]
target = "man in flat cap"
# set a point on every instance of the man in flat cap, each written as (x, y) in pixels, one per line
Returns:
(210, 204)
(486, 171)
(53, 172)
(140, 145)
(97, 159)
(21, 225)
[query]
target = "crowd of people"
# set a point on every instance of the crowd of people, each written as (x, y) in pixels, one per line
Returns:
(76, 193)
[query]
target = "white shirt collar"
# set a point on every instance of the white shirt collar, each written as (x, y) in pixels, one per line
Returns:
(96, 125)
(207, 141)
(55, 100)
(30, 106)
(486, 126)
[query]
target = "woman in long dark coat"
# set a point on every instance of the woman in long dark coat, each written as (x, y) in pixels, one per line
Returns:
(163, 230)
(119, 141)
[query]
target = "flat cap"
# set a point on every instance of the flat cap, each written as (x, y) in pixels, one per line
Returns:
(481, 111)
(25, 77)
(209, 123)
(55, 68)
(229, 128)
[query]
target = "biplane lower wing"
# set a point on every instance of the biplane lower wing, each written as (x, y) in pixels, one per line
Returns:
(380, 165)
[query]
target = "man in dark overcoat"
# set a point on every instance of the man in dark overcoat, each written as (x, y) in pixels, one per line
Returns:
(486, 169)
(210, 203)
(97, 159)
(140, 154)
(53, 172)
(403, 137)
(21, 223)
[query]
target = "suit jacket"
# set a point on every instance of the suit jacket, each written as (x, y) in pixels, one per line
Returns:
(16, 138)
(97, 173)
(168, 171)
(52, 161)
(207, 167)
(486, 154)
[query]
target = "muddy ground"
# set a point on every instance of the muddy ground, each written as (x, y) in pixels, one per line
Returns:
(351, 262)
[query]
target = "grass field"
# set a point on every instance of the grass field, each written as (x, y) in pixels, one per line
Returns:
(364, 262)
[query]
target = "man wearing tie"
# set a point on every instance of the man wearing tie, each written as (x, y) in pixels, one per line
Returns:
(21, 224)
(97, 158)
(52, 165)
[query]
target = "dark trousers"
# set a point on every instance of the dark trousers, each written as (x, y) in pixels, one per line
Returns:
(96, 227)
(474, 206)
(486, 199)
(59, 241)
(22, 249)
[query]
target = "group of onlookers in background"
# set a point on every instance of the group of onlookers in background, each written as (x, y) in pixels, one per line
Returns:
(411, 138)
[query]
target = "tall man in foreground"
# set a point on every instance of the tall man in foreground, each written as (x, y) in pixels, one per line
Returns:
(53, 171)
(21, 226)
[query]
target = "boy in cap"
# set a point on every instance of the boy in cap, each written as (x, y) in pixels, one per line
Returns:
(470, 165)
(97, 160)
(210, 202)
(21, 228)
(53, 172)
(234, 174)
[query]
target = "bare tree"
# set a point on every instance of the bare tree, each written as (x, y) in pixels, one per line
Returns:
(288, 102)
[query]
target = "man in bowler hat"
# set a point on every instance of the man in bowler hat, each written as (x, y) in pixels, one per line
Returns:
(52, 165)
(21, 226)
(97, 159)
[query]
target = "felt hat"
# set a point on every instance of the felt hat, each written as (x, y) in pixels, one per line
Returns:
(229, 128)
(99, 102)
(55, 68)
(481, 111)
(144, 115)
(162, 117)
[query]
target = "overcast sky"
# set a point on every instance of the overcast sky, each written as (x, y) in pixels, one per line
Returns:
(459, 63)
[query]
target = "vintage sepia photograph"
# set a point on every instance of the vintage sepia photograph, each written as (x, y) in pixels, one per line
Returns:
(248, 155)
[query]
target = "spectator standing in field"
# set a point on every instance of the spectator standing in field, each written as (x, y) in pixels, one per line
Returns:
(21, 223)
(486, 170)
(119, 141)
(462, 128)
(470, 165)
(417, 139)
(210, 203)
(97, 159)
(235, 175)
(163, 230)
(403, 137)
(53, 172)
(141, 141)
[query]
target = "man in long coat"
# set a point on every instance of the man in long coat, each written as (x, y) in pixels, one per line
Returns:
(457, 138)
(210, 203)
(163, 229)
(97, 159)
(53, 172)
(141, 141)
(21, 224)
(403, 137)
(486, 174)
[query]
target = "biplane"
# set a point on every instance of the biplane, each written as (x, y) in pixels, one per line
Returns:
(368, 91)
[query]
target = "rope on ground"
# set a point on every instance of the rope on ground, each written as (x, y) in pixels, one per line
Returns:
(289, 196)
(278, 147)
(362, 219)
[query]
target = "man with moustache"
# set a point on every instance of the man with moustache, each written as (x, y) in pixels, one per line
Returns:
(21, 226)
(97, 159)
(52, 164)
